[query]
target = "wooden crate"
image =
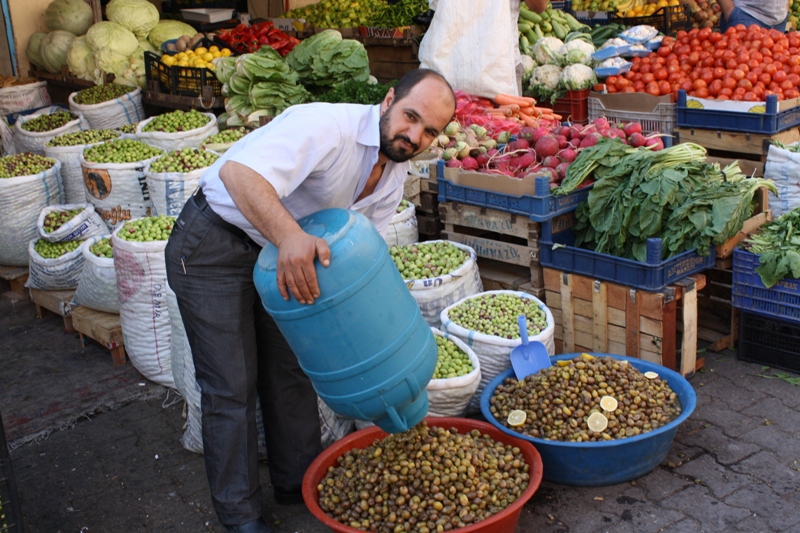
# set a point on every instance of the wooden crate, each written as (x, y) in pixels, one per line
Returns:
(411, 188)
(101, 327)
(498, 276)
(13, 281)
(717, 319)
(731, 144)
(58, 302)
(599, 316)
(390, 59)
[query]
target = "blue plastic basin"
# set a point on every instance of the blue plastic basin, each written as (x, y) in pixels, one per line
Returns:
(587, 464)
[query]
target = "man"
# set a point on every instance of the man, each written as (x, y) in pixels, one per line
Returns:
(309, 158)
(770, 14)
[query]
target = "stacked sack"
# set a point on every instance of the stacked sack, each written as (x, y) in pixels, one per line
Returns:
(32, 132)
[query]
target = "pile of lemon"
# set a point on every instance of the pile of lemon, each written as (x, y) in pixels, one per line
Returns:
(200, 57)
(643, 8)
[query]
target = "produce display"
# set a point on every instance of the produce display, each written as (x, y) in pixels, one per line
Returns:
(78, 138)
(347, 14)
(404, 204)
(183, 160)
(642, 8)
(248, 39)
(185, 43)
(706, 13)
(355, 92)
(377, 488)
(103, 248)
(177, 120)
(147, 229)
(121, 151)
(55, 219)
(54, 250)
(101, 93)
(496, 314)
(25, 164)
(588, 399)
(563, 66)
(778, 249)
(452, 361)
(48, 122)
(551, 23)
(231, 135)
(427, 260)
(326, 59)
(130, 129)
(201, 57)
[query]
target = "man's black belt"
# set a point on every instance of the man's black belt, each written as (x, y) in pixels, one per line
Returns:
(202, 204)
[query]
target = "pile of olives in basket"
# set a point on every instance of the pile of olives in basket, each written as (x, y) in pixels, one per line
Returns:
(425, 260)
(452, 361)
(496, 314)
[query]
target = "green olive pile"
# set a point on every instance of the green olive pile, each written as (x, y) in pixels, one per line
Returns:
(102, 248)
(424, 480)
(54, 250)
(496, 314)
(452, 361)
(403, 206)
(55, 219)
(121, 151)
(147, 229)
(227, 136)
(44, 123)
(25, 164)
(130, 129)
(78, 138)
(183, 160)
(560, 400)
(176, 121)
(426, 260)
(101, 93)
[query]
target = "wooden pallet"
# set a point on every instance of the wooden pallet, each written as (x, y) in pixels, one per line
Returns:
(13, 281)
(753, 146)
(58, 302)
(599, 316)
(718, 320)
(101, 327)
(498, 276)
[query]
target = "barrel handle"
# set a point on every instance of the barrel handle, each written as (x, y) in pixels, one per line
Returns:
(399, 422)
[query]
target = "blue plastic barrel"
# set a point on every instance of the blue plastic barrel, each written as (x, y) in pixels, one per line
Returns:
(363, 343)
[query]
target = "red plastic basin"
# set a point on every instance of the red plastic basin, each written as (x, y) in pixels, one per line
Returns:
(503, 522)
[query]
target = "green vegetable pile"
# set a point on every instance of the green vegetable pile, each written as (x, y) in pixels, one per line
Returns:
(103, 248)
(55, 219)
(78, 138)
(54, 250)
(349, 14)
(25, 164)
(426, 260)
(672, 194)
(147, 229)
(452, 360)
(130, 129)
(228, 136)
(496, 314)
(355, 92)
(177, 120)
(101, 93)
(403, 206)
(183, 160)
(778, 248)
(326, 59)
(44, 123)
(121, 151)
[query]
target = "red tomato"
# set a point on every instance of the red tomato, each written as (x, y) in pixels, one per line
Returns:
(647, 77)
(791, 93)
(765, 78)
(629, 89)
(661, 74)
(699, 83)
(707, 76)
(729, 83)
(664, 88)
(667, 40)
(746, 84)
(723, 97)
(638, 86)
(652, 89)
(687, 86)
(725, 91)
(770, 69)
(786, 85)
(664, 51)
(752, 77)
(715, 87)
(702, 92)
(621, 83)
(738, 74)
(749, 96)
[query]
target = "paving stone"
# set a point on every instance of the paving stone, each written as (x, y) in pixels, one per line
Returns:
(735, 397)
(780, 476)
(661, 483)
(759, 498)
(680, 453)
(720, 480)
(771, 437)
(687, 525)
(753, 524)
(772, 409)
(730, 421)
(725, 449)
(698, 503)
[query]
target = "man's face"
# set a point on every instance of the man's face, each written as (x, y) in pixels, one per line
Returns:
(410, 125)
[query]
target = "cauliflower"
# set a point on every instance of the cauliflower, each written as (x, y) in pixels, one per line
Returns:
(546, 50)
(576, 51)
(577, 77)
(546, 76)
(528, 64)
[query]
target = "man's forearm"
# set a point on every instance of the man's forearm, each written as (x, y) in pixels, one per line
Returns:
(537, 6)
(727, 7)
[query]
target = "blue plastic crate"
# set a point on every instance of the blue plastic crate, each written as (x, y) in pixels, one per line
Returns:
(770, 122)
(540, 207)
(748, 293)
(558, 251)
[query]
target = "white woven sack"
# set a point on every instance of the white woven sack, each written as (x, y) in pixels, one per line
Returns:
(97, 285)
(170, 190)
(32, 141)
(783, 167)
(7, 135)
(434, 294)
(21, 201)
(333, 427)
(142, 288)
(118, 191)
(178, 342)
(71, 171)
(85, 224)
(452, 396)
(24, 97)
(61, 273)
(172, 141)
(127, 109)
(402, 229)
(494, 352)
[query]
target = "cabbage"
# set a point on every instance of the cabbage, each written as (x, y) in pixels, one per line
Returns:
(133, 74)
(145, 45)
(53, 49)
(110, 61)
(80, 60)
(32, 51)
(74, 16)
(109, 36)
(225, 67)
(138, 16)
(166, 30)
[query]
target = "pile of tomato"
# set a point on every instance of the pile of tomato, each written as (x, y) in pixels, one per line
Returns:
(744, 63)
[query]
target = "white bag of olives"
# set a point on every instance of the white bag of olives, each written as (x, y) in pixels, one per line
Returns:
(82, 225)
(192, 138)
(171, 190)
(493, 350)
(65, 150)
(402, 229)
(126, 109)
(34, 141)
(451, 396)
(60, 270)
(97, 284)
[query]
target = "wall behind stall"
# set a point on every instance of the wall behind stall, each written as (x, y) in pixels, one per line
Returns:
(5, 53)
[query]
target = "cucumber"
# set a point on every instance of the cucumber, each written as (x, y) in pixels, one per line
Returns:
(529, 15)
(531, 36)
(559, 30)
(546, 27)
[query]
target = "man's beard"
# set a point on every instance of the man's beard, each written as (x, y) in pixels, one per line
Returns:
(396, 154)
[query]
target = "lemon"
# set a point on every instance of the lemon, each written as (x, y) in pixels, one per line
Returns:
(213, 49)
(216, 54)
(597, 422)
(563, 363)
(190, 53)
(225, 52)
(182, 63)
(168, 60)
(211, 66)
(164, 58)
(608, 403)
(180, 56)
(516, 418)
(208, 56)
(650, 375)
(587, 356)
(200, 50)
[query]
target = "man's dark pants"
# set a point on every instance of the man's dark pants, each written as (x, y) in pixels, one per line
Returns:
(238, 352)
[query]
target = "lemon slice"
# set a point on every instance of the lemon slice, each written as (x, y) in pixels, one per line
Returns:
(650, 375)
(597, 422)
(562, 363)
(587, 356)
(609, 403)
(516, 418)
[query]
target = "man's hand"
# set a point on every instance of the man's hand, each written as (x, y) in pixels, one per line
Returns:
(296, 254)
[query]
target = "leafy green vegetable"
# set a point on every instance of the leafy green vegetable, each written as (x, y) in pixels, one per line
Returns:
(356, 92)
(778, 248)
(326, 59)
(792, 147)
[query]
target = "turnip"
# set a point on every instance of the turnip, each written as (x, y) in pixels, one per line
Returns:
(591, 140)
(567, 155)
(469, 163)
(463, 149)
(503, 137)
(631, 128)
(453, 163)
(527, 159)
(563, 142)
(562, 170)
(655, 143)
(452, 128)
(450, 153)
(480, 131)
(460, 136)
(451, 144)
(526, 133)
(489, 143)
(551, 161)
(637, 140)
(546, 146)
(443, 140)
(538, 133)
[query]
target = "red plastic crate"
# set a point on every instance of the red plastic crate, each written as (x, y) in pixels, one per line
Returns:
(573, 106)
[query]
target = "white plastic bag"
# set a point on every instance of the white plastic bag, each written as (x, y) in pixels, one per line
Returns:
(494, 352)
(97, 285)
(85, 224)
(32, 141)
(783, 167)
(127, 109)
(172, 141)
(24, 97)
(452, 396)
(118, 191)
(21, 201)
(142, 288)
(434, 294)
(71, 171)
(57, 274)
(170, 190)
(402, 229)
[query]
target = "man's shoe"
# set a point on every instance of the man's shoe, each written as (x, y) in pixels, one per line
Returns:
(256, 526)
(288, 495)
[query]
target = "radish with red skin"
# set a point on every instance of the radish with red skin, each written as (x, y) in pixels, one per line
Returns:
(526, 133)
(601, 122)
(492, 152)
(567, 155)
(547, 146)
(616, 133)
(631, 128)
(637, 140)
(538, 133)
(551, 173)
(591, 140)
(520, 144)
(453, 163)
(482, 160)
(551, 161)
(514, 163)
(527, 159)
(563, 142)
(563, 130)
(562, 170)
(469, 163)
(575, 130)
(655, 142)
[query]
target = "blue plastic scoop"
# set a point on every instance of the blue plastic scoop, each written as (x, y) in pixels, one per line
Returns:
(529, 357)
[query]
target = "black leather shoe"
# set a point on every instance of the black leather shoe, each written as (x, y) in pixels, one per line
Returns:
(288, 495)
(256, 526)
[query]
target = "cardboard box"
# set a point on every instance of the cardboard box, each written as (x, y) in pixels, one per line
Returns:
(694, 102)
(494, 182)
(287, 24)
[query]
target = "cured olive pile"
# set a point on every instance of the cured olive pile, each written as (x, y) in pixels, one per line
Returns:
(563, 402)
(25, 164)
(54, 250)
(44, 123)
(176, 121)
(424, 480)
(78, 138)
(101, 93)
(55, 219)
(427, 260)
(496, 314)
(452, 361)
(103, 248)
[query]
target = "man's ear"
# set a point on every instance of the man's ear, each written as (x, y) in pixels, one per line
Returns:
(387, 101)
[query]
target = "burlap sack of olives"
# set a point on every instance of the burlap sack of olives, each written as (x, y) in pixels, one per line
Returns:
(97, 283)
(84, 224)
(54, 266)
(173, 178)
(179, 121)
(110, 113)
(402, 230)
(450, 396)
(34, 141)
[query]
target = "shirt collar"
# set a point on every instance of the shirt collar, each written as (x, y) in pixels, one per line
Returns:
(369, 134)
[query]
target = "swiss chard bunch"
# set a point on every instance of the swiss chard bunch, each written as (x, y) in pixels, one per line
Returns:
(778, 248)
